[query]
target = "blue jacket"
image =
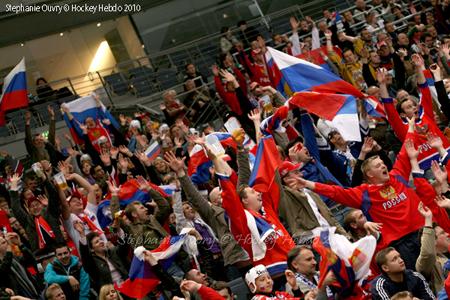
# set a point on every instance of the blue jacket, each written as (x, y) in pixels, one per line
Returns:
(57, 273)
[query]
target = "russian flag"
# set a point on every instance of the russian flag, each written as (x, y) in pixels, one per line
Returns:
(267, 162)
(142, 280)
(350, 262)
(198, 166)
(14, 90)
(153, 151)
(340, 109)
(199, 163)
(374, 108)
(83, 108)
(430, 81)
(129, 192)
(301, 75)
(274, 122)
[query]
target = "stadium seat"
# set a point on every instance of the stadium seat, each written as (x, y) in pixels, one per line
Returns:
(167, 78)
(117, 83)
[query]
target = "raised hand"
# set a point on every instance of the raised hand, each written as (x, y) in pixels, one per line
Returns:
(424, 211)
(64, 108)
(122, 163)
(43, 199)
(176, 164)
(227, 75)
(417, 60)
(105, 158)
(63, 167)
(442, 201)
(402, 53)
(114, 151)
(79, 227)
(113, 189)
(14, 184)
(368, 145)
(291, 279)
(294, 24)
(255, 116)
(434, 141)
(123, 149)
(27, 116)
(215, 70)
(373, 228)
(150, 258)
(143, 158)
(411, 150)
(440, 174)
(51, 112)
(445, 50)
(381, 75)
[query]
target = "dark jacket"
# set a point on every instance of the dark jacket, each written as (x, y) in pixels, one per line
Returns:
(51, 214)
(15, 276)
(384, 288)
(98, 268)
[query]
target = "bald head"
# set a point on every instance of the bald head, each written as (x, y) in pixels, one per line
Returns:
(215, 196)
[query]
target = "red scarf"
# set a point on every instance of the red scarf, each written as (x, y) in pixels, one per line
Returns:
(90, 224)
(42, 226)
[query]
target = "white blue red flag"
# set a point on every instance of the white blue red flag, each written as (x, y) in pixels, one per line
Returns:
(153, 151)
(301, 75)
(14, 92)
(142, 279)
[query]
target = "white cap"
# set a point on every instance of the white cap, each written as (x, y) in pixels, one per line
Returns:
(253, 274)
(85, 157)
(135, 124)
(163, 127)
(103, 139)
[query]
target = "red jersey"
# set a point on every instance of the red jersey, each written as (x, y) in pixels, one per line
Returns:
(277, 296)
(277, 246)
(229, 98)
(394, 203)
(424, 124)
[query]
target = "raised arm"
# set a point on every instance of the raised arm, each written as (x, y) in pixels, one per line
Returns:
(391, 113)
(52, 126)
(200, 204)
(350, 197)
(440, 89)
(22, 216)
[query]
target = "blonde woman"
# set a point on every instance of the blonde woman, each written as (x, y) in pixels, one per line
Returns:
(107, 292)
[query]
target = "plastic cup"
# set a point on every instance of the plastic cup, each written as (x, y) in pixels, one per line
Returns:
(61, 181)
(232, 124)
(214, 145)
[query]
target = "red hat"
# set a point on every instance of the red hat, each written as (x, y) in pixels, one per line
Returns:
(287, 167)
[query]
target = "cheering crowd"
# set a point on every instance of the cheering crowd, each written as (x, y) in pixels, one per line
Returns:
(279, 199)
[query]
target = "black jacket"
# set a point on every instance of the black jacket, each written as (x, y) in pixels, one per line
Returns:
(98, 268)
(383, 287)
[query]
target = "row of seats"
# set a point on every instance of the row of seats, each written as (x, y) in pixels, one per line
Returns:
(141, 81)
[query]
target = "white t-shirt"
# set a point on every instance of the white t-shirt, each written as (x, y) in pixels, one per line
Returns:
(91, 212)
(323, 223)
